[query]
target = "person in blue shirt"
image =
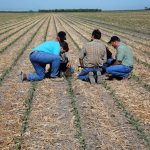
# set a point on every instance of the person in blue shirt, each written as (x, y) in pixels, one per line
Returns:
(47, 52)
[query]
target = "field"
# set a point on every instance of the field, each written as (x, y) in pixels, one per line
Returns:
(71, 114)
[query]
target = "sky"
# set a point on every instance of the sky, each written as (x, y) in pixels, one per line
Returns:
(25, 5)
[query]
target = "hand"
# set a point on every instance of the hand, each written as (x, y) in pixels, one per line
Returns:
(68, 65)
(81, 66)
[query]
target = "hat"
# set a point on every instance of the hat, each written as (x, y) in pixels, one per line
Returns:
(113, 39)
(62, 35)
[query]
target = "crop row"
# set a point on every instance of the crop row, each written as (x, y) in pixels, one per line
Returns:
(75, 111)
(33, 86)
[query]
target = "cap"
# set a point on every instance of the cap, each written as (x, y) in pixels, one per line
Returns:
(62, 35)
(113, 39)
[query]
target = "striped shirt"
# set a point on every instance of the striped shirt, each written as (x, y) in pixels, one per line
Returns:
(93, 54)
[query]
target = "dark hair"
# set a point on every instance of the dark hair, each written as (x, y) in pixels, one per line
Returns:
(61, 35)
(64, 45)
(114, 39)
(96, 34)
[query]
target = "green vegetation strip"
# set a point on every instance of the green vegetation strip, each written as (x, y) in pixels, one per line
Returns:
(77, 121)
(130, 118)
(75, 112)
(19, 140)
(28, 102)
(136, 78)
(8, 70)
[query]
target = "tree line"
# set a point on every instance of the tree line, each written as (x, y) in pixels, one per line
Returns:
(71, 10)
(146, 8)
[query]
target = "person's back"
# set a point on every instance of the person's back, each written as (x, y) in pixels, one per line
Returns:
(94, 54)
(92, 57)
(51, 47)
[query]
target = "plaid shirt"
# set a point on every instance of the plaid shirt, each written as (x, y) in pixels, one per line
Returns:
(93, 54)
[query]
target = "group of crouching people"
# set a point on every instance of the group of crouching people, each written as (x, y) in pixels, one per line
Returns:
(95, 60)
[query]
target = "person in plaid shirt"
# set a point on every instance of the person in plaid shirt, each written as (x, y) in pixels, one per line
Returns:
(91, 58)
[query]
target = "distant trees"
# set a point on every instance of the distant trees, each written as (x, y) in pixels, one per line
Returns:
(146, 8)
(71, 10)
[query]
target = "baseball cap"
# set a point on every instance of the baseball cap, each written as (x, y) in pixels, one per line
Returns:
(113, 39)
(62, 35)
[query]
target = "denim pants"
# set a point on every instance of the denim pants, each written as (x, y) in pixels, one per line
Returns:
(39, 61)
(118, 70)
(83, 75)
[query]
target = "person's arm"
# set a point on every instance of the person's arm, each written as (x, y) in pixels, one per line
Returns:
(67, 55)
(117, 62)
(81, 63)
(81, 56)
(119, 57)
(109, 53)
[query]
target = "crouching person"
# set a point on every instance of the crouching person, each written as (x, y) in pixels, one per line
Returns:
(46, 53)
(122, 65)
(65, 68)
(92, 57)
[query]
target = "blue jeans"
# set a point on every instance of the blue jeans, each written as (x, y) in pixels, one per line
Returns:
(39, 61)
(118, 70)
(83, 75)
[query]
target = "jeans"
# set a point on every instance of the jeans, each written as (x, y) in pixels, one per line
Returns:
(39, 61)
(118, 70)
(83, 75)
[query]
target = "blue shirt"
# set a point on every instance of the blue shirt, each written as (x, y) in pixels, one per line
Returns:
(51, 47)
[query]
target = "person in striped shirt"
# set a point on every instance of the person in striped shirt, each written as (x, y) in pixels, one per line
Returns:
(91, 58)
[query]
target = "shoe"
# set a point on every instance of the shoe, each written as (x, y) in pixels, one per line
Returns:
(20, 77)
(99, 77)
(91, 77)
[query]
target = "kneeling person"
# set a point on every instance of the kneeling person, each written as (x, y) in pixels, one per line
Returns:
(92, 57)
(122, 65)
(46, 53)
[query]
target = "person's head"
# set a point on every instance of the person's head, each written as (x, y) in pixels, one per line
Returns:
(114, 41)
(96, 34)
(64, 47)
(61, 36)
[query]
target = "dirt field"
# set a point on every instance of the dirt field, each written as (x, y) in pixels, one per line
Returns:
(71, 114)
